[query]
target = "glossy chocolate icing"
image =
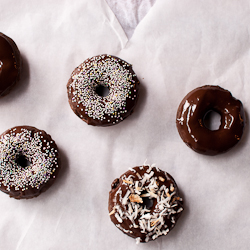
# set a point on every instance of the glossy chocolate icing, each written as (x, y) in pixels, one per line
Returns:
(190, 120)
(29, 162)
(144, 203)
(84, 102)
(10, 64)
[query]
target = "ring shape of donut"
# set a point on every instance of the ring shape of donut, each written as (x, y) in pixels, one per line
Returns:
(190, 120)
(29, 162)
(10, 64)
(108, 72)
(144, 203)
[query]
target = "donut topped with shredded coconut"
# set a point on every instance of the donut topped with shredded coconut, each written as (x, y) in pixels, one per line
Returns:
(29, 162)
(144, 203)
(103, 90)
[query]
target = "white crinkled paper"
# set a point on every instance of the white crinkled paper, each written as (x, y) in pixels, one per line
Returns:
(176, 47)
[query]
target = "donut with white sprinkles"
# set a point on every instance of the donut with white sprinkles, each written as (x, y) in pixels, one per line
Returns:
(103, 90)
(144, 203)
(29, 162)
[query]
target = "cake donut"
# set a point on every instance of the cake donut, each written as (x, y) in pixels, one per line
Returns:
(144, 203)
(10, 64)
(86, 90)
(190, 120)
(29, 162)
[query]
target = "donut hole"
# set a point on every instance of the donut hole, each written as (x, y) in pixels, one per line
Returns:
(22, 161)
(102, 90)
(212, 120)
(148, 202)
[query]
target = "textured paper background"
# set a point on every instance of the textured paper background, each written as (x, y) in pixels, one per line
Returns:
(130, 12)
(178, 45)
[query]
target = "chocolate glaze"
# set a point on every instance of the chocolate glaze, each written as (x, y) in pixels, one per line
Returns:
(190, 120)
(74, 96)
(160, 217)
(47, 147)
(10, 64)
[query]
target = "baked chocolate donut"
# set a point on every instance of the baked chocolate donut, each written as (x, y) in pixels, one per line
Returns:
(144, 203)
(190, 120)
(29, 162)
(87, 82)
(10, 64)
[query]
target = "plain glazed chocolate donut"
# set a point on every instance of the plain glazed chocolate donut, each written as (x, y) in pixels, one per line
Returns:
(29, 162)
(190, 120)
(103, 71)
(144, 203)
(10, 64)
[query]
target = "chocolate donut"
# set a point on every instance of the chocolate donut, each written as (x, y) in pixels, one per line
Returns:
(87, 82)
(10, 64)
(190, 120)
(144, 203)
(29, 162)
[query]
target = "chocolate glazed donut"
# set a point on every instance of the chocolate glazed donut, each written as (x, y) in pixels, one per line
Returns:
(29, 162)
(190, 120)
(144, 203)
(85, 90)
(10, 64)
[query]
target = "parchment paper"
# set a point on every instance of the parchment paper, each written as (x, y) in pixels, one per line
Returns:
(130, 12)
(177, 46)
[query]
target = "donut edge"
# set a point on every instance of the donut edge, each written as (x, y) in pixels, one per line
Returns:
(19, 62)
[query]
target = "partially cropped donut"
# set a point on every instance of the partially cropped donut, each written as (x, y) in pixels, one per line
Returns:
(190, 120)
(29, 162)
(87, 82)
(144, 203)
(10, 64)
